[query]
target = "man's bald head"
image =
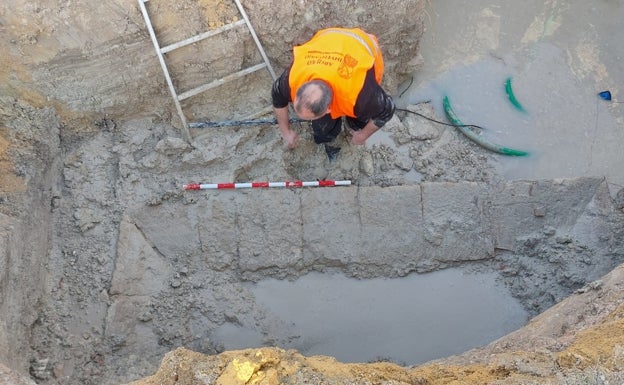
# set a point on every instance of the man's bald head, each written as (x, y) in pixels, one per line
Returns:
(312, 99)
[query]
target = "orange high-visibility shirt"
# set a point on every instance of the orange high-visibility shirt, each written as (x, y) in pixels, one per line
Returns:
(341, 57)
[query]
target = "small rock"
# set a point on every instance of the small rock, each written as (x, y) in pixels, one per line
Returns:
(103, 296)
(550, 231)
(530, 242)
(172, 146)
(619, 199)
(404, 163)
(145, 317)
(57, 371)
(117, 341)
(366, 165)
(86, 218)
(154, 201)
(320, 173)
(418, 127)
(38, 368)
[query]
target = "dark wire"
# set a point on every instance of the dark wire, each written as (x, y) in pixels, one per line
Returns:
(428, 118)
(408, 86)
(295, 120)
(439, 122)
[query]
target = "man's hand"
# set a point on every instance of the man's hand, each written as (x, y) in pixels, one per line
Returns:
(291, 138)
(358, 137)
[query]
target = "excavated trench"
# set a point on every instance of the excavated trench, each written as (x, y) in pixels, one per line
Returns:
(137, 266)
(438, 247)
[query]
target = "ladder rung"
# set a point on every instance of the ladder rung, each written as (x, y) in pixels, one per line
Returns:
(200, 37)
(218, 82)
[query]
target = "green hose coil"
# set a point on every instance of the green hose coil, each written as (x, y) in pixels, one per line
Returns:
(450, 114)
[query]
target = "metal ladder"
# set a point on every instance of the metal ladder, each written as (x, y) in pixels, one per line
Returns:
(161, 51)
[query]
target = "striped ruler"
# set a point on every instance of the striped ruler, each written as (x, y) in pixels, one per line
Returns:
(319, 183)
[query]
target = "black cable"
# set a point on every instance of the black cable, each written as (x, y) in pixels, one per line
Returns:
(239, 122)
(293, 120)
(408, 87)
(439, 122)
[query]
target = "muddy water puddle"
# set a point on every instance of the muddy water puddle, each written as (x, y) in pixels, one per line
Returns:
(559, 56)
(566, 128)
(407, 320)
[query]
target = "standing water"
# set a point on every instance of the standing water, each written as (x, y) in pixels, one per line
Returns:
(407, 320)
(559, 56)
(567, 130)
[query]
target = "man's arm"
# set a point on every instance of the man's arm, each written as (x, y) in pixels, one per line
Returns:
(374, 104)
(290, 137)
(280, 94)
(359, 137)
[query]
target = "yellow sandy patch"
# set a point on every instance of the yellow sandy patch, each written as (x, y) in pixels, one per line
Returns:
(9, 182)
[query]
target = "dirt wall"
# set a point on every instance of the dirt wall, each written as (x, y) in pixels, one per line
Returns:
(96, 61)
(26, 224)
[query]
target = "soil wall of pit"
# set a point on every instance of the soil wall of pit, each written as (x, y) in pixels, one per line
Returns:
(118, 265)
(95, 62)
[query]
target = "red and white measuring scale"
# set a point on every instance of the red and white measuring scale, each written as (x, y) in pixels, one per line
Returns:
(319, 183)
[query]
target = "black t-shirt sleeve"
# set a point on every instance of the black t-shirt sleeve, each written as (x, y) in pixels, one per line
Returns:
(373, 102)
(280, 93)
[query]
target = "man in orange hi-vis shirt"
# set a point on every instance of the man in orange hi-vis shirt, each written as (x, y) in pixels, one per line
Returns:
(335, 74)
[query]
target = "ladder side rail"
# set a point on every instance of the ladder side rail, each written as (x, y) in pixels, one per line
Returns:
(163, 65)
(255, 37)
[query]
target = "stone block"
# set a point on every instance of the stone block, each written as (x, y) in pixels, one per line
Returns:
(390, 226)
(522, 207)
(331, 225)
(456, 222)
(270, 225)
(139, 269)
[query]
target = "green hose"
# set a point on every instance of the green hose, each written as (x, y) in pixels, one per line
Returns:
(512, 97)
(450, 114)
